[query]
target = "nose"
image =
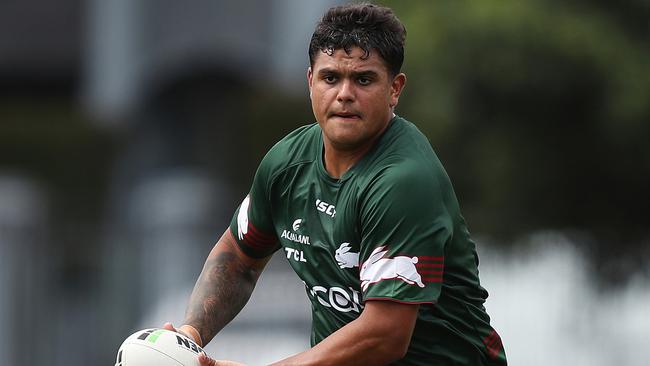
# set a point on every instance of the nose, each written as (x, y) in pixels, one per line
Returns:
(346, 91)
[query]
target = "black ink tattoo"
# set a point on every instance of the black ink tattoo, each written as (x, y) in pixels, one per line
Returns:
(222, 290)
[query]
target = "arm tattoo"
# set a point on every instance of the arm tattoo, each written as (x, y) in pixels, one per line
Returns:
(222, 290)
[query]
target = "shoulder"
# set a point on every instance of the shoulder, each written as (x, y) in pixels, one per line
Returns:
(400, 177)
(405, 136)
(404, 155)
(301, 145)
(405, 166)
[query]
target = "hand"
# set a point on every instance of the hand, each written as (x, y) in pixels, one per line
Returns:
(204, 360)
(169, 326)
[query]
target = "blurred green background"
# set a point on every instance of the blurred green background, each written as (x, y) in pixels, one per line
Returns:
(539, 110)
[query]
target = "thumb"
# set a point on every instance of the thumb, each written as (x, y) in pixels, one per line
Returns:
(204, 360)
(169, 326)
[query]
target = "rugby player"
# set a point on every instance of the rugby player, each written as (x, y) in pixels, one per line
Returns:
(366, 216)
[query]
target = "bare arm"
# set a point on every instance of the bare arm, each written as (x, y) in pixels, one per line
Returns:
(223, 287)
(379, 336)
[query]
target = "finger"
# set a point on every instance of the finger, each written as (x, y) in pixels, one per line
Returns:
(170, 326)
(204, 360)
(227, 363)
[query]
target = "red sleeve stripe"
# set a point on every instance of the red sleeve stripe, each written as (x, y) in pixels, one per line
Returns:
(253, 243)
(430, 258)
(493, 344)
(257, 239)
(399, 301)
(425, 272)
(261, 235)
(431, 268)
(256, 246)
(432, 279)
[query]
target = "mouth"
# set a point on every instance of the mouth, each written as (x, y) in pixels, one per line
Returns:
(346, 115)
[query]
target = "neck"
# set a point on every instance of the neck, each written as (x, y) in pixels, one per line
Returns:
(339, 161)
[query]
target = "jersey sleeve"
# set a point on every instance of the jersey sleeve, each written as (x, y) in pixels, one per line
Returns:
(252, 224)
(405, 226)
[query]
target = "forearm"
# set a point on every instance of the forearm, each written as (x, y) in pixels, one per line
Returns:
(350, 345)
(378, 337)
(222, 289)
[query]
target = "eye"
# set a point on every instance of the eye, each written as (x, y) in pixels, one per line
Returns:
(330, 79)
(363, 80)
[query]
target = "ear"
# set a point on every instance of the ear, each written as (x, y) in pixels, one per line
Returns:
(310, 76)
(376, 254)
(396, 87)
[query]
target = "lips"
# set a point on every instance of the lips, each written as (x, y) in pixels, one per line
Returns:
(346, 115)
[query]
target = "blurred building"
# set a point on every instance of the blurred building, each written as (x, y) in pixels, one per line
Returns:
(162, 78)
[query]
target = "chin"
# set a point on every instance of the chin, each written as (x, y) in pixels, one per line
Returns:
(348, 141)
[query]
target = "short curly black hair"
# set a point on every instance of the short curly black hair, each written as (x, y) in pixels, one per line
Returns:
(367, 26)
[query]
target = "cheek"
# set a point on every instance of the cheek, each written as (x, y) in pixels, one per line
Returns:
(320, 101)
(319, 107)
(315, 98)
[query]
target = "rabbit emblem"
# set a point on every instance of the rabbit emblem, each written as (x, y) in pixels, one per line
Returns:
(242, 218)
(345, 258)
(378, 268)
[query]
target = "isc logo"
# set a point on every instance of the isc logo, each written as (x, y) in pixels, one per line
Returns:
(326, 208)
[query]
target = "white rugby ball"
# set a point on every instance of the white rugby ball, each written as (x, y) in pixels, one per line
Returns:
(158, 347)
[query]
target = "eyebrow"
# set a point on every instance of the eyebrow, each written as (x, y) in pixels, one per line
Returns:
(330, 71)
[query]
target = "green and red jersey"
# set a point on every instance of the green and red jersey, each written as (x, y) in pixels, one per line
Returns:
(389, 229)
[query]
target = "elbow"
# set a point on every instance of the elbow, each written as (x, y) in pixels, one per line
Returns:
(403, 349)
(400, 351)
(393, 350)
(389, 338)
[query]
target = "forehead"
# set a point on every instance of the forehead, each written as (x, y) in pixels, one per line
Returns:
(355, 60)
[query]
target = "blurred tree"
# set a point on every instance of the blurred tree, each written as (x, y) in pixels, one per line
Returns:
(540, 111)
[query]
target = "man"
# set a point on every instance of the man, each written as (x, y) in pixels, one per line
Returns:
(366, 216)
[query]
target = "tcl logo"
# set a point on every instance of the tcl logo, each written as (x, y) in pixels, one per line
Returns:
(295, 254)
(326, 208)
